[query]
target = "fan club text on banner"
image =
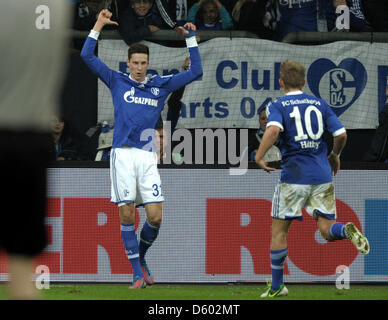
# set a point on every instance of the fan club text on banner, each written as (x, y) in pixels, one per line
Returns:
(240, 77)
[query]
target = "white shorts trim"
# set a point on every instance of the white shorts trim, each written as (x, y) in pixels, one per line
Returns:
(289, 199)
(120, 204)
(134, 177)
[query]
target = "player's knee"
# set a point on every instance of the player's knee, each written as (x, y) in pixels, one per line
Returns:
(154, 214)
(155, 221)
(127, 219)
(279, 238)
(127, 213)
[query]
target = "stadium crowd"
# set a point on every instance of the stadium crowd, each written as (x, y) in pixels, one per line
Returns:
(267, 19)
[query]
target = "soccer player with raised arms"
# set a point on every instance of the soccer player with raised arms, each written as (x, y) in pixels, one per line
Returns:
(138, 102)
(306, 177)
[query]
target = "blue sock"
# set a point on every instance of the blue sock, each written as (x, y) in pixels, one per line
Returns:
(128, 235)
(277, 261)
(337, 231)
(147, 236)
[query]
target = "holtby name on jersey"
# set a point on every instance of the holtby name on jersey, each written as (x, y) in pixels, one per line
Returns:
(309, 144)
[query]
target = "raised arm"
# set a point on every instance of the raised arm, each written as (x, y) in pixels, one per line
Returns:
(226, 19)
(195, 70)
(192, 12)
(87, 54)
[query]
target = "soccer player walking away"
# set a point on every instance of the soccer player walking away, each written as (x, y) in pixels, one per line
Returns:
(306, 176)
(138, 102)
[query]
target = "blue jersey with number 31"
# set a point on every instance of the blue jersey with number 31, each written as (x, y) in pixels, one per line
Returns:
(302, 120)
(137, 106)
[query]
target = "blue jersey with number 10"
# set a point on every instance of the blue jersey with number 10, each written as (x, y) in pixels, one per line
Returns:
(302, 120)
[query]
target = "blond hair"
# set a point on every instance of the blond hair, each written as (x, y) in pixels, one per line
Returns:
(293, 74)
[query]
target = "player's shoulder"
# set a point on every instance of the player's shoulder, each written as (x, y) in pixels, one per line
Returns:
(158, 81)
(274, 104)
(318, 102)
(310, 99)
(121, 74)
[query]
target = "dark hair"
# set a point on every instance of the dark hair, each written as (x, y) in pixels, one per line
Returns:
(208, 2)
(205, 4)
(138, 48)
(138, 1)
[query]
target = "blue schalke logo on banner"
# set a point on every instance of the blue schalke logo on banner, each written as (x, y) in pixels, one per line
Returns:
(339, 85)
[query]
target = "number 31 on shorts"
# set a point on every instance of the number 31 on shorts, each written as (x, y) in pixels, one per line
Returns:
(157, 190)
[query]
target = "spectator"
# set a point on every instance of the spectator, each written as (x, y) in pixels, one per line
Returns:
(142, 18)
(174, 101)
(64, 147)
(86, 12)
(228, 4)
(376, 13)
(160, 142)
(357, 22)
(174, 107)
(121, 6)
(378, 151)
(297, 16)
(210, 15)
(250, 15)
(273, 154)
(181, 12)
(105, 140)
(181, 8)
(85, 15)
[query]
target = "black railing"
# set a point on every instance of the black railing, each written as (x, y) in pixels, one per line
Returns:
(294, 37)
(326, 37)
(171, 35)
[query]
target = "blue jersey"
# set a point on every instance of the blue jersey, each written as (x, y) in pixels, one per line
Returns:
(297, 15)
(137, 106)
(302, 120)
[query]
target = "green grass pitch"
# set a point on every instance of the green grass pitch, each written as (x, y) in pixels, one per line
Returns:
(75, 291)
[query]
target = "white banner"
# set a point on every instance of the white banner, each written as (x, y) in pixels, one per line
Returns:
(241, 75)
